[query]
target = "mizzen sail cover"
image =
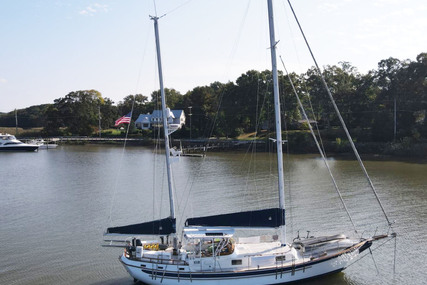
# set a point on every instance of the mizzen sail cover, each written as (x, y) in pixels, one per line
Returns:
(158, 227)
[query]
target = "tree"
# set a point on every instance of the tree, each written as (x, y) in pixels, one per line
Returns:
(390, 77)
(109, 113)
(413, 80)
(174, 99)
(204, 103)
(138, 102)
(77, 112)
(27, 118)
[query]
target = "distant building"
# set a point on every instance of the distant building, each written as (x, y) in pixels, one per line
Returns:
(176, 119)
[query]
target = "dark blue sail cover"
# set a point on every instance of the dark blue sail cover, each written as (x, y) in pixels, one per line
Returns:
(267, 218)
(159, 227)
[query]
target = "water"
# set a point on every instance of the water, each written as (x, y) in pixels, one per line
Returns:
(55, 205)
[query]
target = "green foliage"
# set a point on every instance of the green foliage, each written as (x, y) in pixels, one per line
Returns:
(139, 103)
(78, 113)
(27, 118)
(366, 101)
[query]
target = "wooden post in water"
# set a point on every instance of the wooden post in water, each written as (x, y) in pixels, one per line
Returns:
(16, 122)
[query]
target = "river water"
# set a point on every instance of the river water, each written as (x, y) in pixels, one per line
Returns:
(56, 204)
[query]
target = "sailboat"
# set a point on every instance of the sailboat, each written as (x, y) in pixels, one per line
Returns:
(208, 253)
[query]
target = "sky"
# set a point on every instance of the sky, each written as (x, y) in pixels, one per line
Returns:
(49, 48)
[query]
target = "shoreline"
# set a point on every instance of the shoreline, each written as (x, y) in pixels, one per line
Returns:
(373, 150)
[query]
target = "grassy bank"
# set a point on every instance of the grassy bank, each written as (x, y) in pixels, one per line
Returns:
(20, 132)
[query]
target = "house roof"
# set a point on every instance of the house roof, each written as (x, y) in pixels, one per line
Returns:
(158, 114)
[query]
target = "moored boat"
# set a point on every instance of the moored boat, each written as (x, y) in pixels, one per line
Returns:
(10, 143)
(44, 144)
(208, 252)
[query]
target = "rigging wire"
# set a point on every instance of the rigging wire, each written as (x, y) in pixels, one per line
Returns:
(155, 7)
(372, 250)
(233, 52)
(120, 167)
(212, 127)
(304, 82)
(288, 164)
(394, 256)
(178, 7)
(142, 60)
(254, 146)
(362, 166)
(373, 259)
(318, 146)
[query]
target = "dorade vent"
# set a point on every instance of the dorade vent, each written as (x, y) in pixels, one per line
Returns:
(236, 262)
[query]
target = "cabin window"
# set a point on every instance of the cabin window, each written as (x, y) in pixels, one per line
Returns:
(281, 258)
(142, 265)
(181, 268)
(214, 234)
(236, 262)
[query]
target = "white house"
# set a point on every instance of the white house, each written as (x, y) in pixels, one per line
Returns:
(176, 119)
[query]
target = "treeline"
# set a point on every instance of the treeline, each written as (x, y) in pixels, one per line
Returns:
(386, 104)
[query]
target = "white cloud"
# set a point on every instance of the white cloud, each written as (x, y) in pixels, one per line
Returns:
(93, 9)
(328, 7)
(3, 80)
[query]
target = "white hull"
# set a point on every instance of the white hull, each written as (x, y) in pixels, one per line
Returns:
(154, 273)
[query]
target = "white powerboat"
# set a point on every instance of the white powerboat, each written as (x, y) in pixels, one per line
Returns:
(10, 143)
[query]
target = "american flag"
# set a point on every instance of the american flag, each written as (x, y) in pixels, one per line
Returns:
(123, 120)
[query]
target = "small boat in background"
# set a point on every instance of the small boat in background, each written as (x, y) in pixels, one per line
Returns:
(10, 143)
(44, 144)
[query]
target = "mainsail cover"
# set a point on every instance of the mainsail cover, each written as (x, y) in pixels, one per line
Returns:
(267, 218)
(158, 227)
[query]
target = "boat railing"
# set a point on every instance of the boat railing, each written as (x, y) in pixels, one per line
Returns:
(157, 260)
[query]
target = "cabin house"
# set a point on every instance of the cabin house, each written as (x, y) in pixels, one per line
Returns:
(176, 119)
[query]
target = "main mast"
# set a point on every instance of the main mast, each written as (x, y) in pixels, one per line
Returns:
(277, 117)
(165, 123)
